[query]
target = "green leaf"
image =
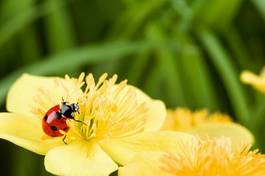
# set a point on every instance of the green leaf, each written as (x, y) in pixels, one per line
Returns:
(219, 13)
(131, 20)
(167, 60)
(260, 5)
(59, 29)
(238, 47)
(21, 19)
(195, 75)
(137, 68)
(227, 71)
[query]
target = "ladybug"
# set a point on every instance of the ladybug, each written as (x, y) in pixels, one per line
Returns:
(55, 119)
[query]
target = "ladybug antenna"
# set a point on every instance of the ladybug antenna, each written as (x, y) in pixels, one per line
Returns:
(63, 101)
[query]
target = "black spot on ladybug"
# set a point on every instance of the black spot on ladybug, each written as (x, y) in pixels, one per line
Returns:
(54, 128)
(45, 117)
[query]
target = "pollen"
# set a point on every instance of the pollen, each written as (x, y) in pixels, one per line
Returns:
(214, 157)
(108, 109)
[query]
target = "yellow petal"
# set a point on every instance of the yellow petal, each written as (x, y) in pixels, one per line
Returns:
(34, 93)
(123, 149)
(156, 113)
(79, 158)
(26, 132)
(239, 135)
(256, 81)
(144, 164)
(212, 157)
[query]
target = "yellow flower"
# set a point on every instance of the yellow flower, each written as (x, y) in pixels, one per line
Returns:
(206, 125)
(257, 81)
(198, 158)
(182, 119)
(118, 121)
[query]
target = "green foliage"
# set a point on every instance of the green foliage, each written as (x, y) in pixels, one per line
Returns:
(185, 52)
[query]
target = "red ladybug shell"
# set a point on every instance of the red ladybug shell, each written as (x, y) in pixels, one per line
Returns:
(53, 122)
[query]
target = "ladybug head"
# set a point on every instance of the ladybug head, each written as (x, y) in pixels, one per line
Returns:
(68, 110)
(75, 107)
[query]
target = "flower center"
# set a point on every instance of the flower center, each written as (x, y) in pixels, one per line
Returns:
(214, 157)
(108, 110)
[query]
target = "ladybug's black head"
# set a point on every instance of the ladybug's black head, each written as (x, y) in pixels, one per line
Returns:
(68, 110)
(75, 107)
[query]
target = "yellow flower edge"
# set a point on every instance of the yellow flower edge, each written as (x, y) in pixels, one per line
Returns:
(238, 134)
(202, 157)
(205, 125)
(127, 122)
(79, 155)
(31, 92)
(257, 81)
(123, 150)
(26, 131)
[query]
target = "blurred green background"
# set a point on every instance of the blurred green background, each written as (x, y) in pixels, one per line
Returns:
(185, 52)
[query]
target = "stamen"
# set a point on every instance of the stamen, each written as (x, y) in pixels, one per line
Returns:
(213, 157)
(110, 109)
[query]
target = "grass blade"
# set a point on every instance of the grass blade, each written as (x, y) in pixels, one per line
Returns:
(260, 5)
(226, 69)
(59, 30)
(23, 18)
(199, 90)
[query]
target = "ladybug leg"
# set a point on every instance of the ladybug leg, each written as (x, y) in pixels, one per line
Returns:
(64, 137)
(64, 140)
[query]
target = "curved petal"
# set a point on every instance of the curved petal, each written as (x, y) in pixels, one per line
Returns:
(237, 133)
(145, 163)
(123, 149)
(256, 81)
(79, 158)
(26, 132)
(156, 113)
(30, 94)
